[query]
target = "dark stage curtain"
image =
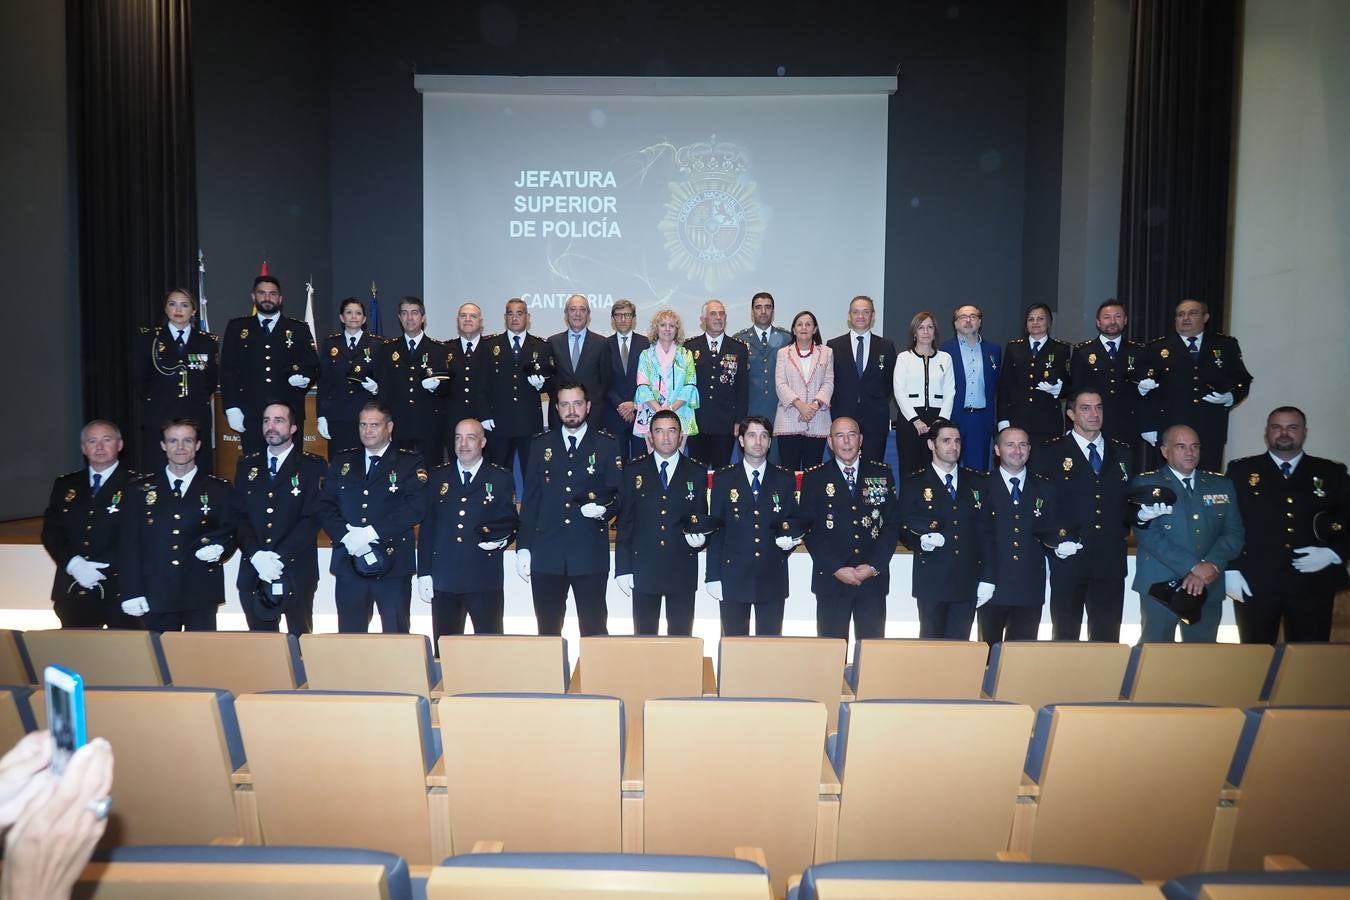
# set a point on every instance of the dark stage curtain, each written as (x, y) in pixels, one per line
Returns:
(1178, 139)
(135, 172)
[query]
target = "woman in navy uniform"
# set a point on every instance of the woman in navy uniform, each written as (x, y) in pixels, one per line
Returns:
(175, 372)
(347, 361)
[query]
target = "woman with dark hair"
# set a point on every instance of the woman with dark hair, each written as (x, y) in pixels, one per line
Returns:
(925, 385)
(347, 361)
(804, 378)
(1029, 387)
(175, 367)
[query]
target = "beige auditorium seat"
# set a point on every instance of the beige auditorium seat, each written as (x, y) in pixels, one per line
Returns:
(1040, 672)
(982, 879)
(1311, 675)
(103, 658)
(368, 662)
(495, 663)
(244, 662)
(16, 715)
(13, 670)
(1214, 674)
(910, 669)
(805, 668)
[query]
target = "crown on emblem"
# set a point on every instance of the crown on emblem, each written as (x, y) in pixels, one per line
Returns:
(711, 158)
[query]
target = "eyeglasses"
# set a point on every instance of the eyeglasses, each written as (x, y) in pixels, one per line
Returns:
(968, 316)
(621, 315)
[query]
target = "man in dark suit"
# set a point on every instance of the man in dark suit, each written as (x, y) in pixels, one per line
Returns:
(175, 374)
(1110, 365)
(625, 345)
(1193, 377)
(512, 367)
(1294, 507)
(580, 356)
(1035, 369)
(976, 364)
(459, 568)
(180, 528)
(721, 363)
(81, 530)
(763, 339)
(571, 492)
(1091, 478)
(265, 357)
(942, 522)
(414, 379)
(278, 491)
(747, 564)
(373, 496)
(864, 368)
(851, 517)
(348, 360)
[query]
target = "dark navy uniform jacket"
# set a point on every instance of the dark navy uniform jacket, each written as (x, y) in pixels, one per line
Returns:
(650, 542)
(723, 383)
(560, 539)
(1015, 538)
(174, 384)
(280, 514)
(742, 553)
(1092, 507)
(1091, 366)
(392, 499)
(162, 535)
(846, 529)
(338, 398)
(418, 414)
(447, 543)
(1019, 402)
(77, 523)
(504, 393)
(255, 367)
(1183, 382)
(951, 572)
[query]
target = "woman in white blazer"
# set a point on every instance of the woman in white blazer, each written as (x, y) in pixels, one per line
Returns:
(925, 387)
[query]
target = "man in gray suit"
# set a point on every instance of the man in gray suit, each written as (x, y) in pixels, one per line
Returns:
(764, 339)
(579, 355)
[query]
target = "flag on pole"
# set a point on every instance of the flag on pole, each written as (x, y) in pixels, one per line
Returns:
(309, 308)
(373, 322)
(201, 291)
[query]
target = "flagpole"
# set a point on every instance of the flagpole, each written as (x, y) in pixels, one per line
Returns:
(201, 291)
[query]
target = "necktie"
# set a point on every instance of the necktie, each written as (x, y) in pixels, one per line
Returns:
(623, 352)
(1284, 467)
(371, 464)
(665, 476)
(272, 465)
(267, 326)
(515, 348)
(754, 484)
(468, 348)
(180, 342)
(1094, 459)
(572, 443)
(98, 480)
(713, 345)
(351, 343)
(1194, 347)
(951, 488)
(858, 357)
(1190, 484)
(412, 345)
(1035, 348)
(576, 351)
(468, 477)
(1016, 490)
(177, 488)
(848, 476)
(764, 339)
(1111, 349)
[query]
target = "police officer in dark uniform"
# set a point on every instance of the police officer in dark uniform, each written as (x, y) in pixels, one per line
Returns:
(174, 367)
(563, 542)
(179, 531)
(1111, 366)
(722, 366)
(279, 492)
(265, 357)
(81, 531)
(461, 392)
(373, 496)
(654, 555)
(1035, 372)
(471, 518)
(1294, 508)
(1193, 377)
(747, 564)
(943, 513)
(415, 383)
(348, 361)
(1091, 477)
(852, 521)
(512, 367)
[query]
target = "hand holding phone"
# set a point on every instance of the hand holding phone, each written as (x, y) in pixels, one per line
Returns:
(64, 689)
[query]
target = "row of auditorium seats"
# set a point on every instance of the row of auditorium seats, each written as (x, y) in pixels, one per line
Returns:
(304, 873)
(1152, 789)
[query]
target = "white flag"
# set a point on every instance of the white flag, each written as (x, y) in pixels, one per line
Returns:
(309, 309)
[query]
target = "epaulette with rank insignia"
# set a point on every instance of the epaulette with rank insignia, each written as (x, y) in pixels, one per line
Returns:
(146, 329)
(501, 469)
(1020, 340)
(726, 468)
(333, 335)
(736, 339)
(966, 470)
(314, 456)
(218, 480)
(1082, 344)
(1119, 443)
(813, 468)
(212, 335)
(540, 434)
(1157, 340)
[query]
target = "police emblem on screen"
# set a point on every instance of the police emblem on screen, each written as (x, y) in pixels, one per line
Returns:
(712, 227)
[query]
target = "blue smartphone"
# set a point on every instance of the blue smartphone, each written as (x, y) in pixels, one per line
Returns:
(65, 713)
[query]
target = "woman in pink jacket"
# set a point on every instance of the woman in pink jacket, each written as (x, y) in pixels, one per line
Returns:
(804, 376)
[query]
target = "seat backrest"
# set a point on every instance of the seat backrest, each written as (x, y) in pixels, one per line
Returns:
(910, 669)
(177, 749)
(966, 880)
(1304, 884)
(240, 661)
(638, 669)
(1214, 674)
(109, 658)
(341, 769)
(929, 779)
(399, 663)
(595, 876)
(14, 664)
(1096, 763)
(1295, 787)
(1311, 675)
(1040, 672)
(804, 668)
(725, 773)
(503, 663)
(16, 715)
(537, 772)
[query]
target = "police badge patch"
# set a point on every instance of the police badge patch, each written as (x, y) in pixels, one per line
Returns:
(712, 226)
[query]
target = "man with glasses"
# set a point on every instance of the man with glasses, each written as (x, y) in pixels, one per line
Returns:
(976, 363)
(625, 345)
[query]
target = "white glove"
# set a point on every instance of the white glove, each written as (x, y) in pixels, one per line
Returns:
(696, 540)
(136, 606)
(84, 572)
(1150, 436)
(1235, 586)
(210, 553)
(267, 564)
(625, 583)
(523, 564)
(488, 424)
(1226, 398)
(931, 541)
(536, 382)
(593, 510)
(490, 546)
(984, 592)
(299, 381)
(1145, 386)
(785, 542)
(235, 416)
(1315, 559)
(1051, 389)
(431, 383)
(425, 590)
(1065, 549)
(322, 424)
(370, 385)
(358, 540)
(714, 589)
(1003, 423)
(1152, 511)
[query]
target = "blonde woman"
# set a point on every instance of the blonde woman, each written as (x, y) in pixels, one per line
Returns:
(925, 388)
(665, 376)
(804, 377)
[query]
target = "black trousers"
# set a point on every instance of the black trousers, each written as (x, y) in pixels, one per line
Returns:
(912, 447)
(89, 610)
(797, 452)
(736, 618)
(181, 620)
(449, 612)
(501, 447)
(679, 613)
(836, 608)
(550, 602)
(713, 450)
(1102, 598)
(945, 620)
(874, 443)
(357, 598)
(299, 613)
(1306, 617)
(1008, 623)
